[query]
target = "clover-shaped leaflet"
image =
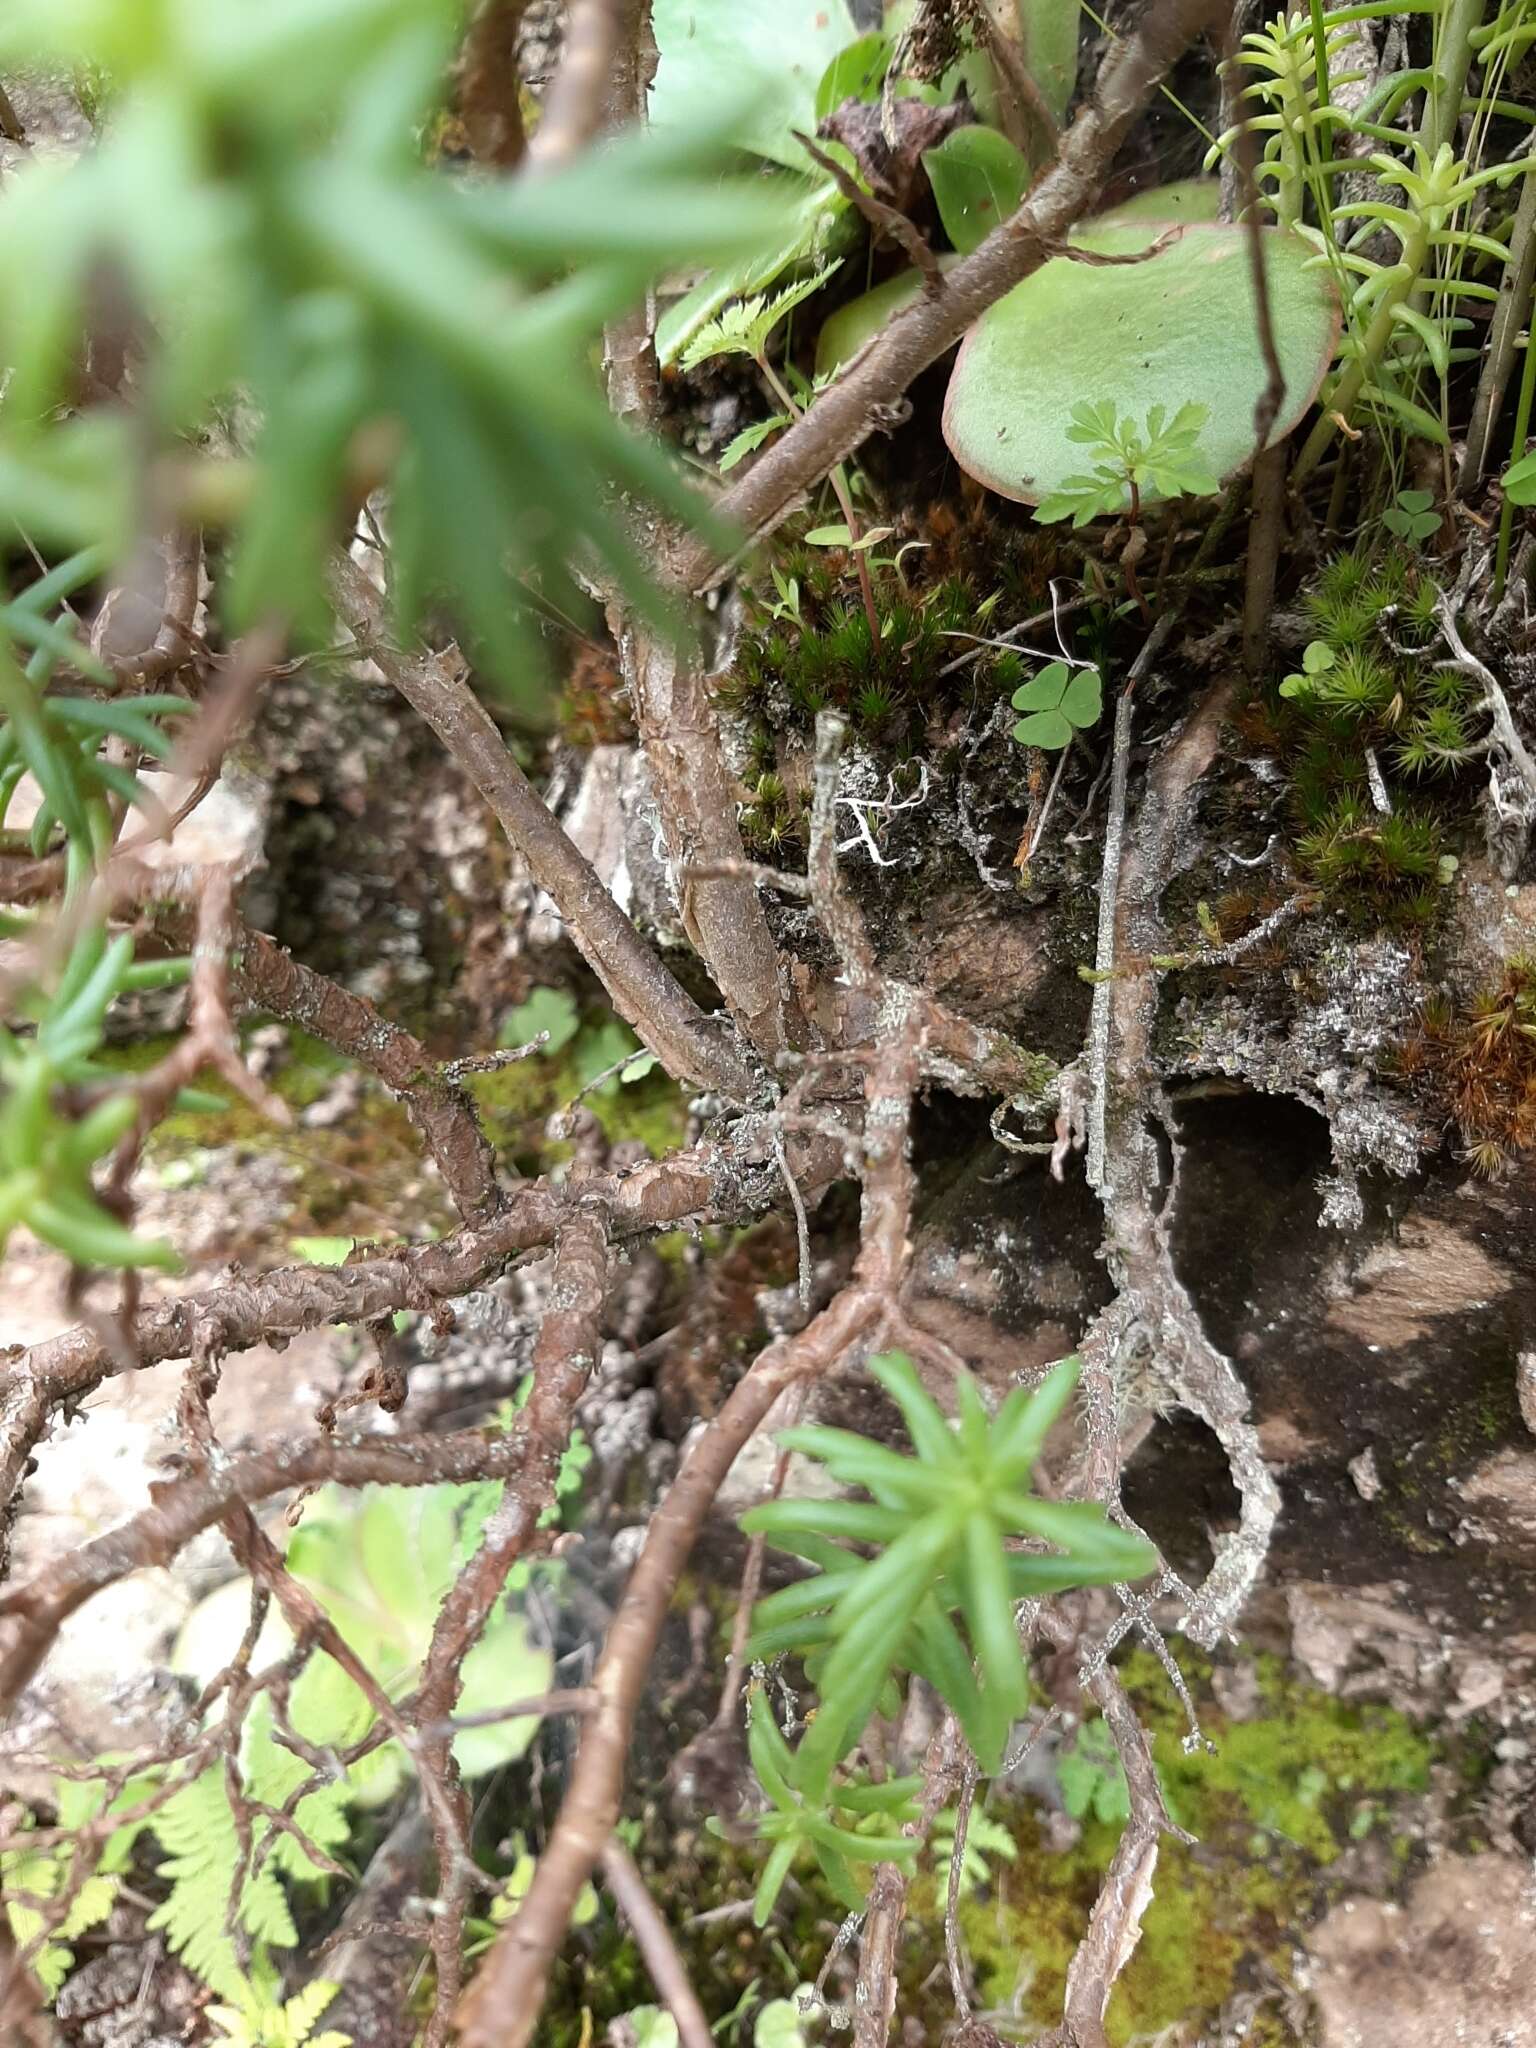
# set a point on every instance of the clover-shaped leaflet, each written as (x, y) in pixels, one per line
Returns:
(1059, 703)
(1412, 517)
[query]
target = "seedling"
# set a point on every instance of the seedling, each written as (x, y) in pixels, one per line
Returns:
(1161, 460)
(1058, 704)
(744, 329)
(1413, 518)
(787, 605)
(1317, 658)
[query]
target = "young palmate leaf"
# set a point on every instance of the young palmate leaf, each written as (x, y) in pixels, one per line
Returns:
(1135, 464)
(749, 440)
(744, 328)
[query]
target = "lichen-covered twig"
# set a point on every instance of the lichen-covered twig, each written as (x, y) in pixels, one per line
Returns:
(713, 1181)
(1124, 1166)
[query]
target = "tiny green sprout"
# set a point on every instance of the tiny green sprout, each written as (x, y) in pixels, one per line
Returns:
(788, 587)
(838, 535)
(1317, 658)
(1058, 704)
(1413, 518)
(1161, 460)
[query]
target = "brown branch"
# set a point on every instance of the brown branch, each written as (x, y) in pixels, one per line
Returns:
(880, 218)
(875, 1996)
(209, 1039)
(658, 1951)
(835, 906)
(709, 1182)
(721, 913)
(643, 992)
(565, 1355)
(630, 369)
(717, 1183)
(850, 409)
(502, 2006)
(569, 1699)
(145, 628)
(374, 1969)
(1015, 76)
(1266, 525)
(266, 977)
(577, 102)
(1114, 1925)
(958, 1988)
(724, 918)
(312, 1626)
(24, 2015)
(488, 84)
(11, 129)
(1196, 1375)
(38, 1608)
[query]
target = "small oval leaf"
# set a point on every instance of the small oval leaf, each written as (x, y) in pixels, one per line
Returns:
(978, 178)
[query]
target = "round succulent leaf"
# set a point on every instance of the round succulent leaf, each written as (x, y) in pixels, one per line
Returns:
(1083, 699)
(1051, 730)
(845, 332)
(1175, 329)
(1183, 199)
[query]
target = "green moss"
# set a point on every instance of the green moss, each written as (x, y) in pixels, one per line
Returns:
(1205, 1916)
(516, 1102)
(1376, 713)
(1268, 1832)
(1297, 1773)
(1272, 1808)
